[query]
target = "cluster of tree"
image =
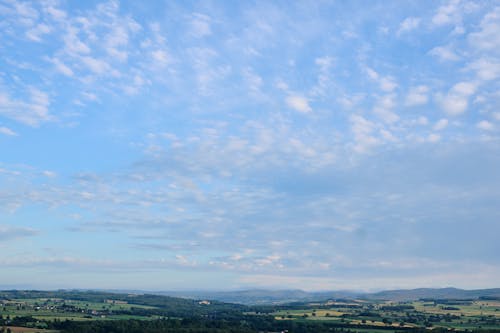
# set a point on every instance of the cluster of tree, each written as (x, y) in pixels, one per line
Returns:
(450, 308)
(251, 324)
(490, 298)
(242, 323)
(446, 330)
(448, 301)
(262, 309)
(26, 321)
(399, 307)
(369, 314)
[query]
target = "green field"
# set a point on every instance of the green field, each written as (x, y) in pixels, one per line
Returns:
(470, 315)
(67, 309)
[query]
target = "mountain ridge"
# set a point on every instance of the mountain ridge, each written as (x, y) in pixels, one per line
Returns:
(284, 296)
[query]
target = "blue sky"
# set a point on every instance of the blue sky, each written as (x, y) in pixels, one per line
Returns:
(226, 145)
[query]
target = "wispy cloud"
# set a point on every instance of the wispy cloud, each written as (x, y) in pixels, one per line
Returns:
(31, 112)
(10, 233)
(408, 24)
(7, 131)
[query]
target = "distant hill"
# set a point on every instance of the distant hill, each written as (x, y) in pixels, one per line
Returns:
(261, 296)
(433, 293)
(188, 300)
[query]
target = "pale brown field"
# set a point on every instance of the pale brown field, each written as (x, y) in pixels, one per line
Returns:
(16, 329)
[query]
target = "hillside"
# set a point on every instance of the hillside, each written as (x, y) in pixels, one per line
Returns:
(160, 304)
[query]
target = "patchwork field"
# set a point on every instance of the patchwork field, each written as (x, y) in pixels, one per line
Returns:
(456, 315)
(59, 309)
(28, 312)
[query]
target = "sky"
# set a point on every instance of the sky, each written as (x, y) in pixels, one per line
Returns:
(221, 145)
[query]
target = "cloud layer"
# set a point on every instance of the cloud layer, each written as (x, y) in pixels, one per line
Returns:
(321, 146)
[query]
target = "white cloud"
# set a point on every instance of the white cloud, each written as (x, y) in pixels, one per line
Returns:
(208, 70)
(185, 261)
(137, 83)
(49, 174)
(485, 125)
(89, 96)
(422, 120)
(26, 14)
(363, 131)
(161, 57)
(454, 105)
(298, 103)
(95, 65)
(408, 24)
(7, 131)
(325, 63)
(441, 124)
(386, 115)
(464, 88)
(486, 69)
(118, 36)
(433, 138)
(281, 85)
(323, 78)
(36, 33)
(117, 40)
(61, 67)
(372, 74)
(200, 25)
(417, 96)
(488, 38)
(348, 101)
(253, 80)
(388, 136)
(446, 14)
(386, 83)
(32, 113)
(384, 107)
(457, 100)
(73, 44)
(444, 53)
(56, 13)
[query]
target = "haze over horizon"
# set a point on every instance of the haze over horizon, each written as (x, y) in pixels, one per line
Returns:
(314, 145)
